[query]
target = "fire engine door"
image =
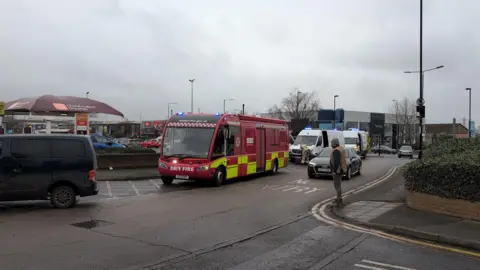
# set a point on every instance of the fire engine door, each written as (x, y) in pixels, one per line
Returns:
(261, 151)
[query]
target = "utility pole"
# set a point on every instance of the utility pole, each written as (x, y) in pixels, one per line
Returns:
(420, 102)
(168, 108)
(454, 128)
(335, 111)
(191, 95)
(243, 109)
(224, 102)
(470, 112)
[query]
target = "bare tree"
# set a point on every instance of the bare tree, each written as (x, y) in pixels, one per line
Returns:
(405, 115)
(297, 105)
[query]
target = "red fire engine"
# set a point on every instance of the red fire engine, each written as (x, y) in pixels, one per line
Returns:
(218, 147)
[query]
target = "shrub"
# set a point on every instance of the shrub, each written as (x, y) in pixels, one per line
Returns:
(449, 169)
(115, 150)
(448, 146)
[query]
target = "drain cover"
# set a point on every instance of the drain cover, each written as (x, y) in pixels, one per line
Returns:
(90, 224)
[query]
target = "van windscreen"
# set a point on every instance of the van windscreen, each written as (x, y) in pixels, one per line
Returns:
(350, 140)
(306, 140)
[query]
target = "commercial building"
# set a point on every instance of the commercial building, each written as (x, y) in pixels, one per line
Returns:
(382, 127)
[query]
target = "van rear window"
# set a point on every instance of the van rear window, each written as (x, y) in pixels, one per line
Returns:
(68, 148)
(30, 148)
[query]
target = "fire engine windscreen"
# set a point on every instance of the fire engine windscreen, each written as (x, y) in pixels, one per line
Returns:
(187, 141)
(305, 140)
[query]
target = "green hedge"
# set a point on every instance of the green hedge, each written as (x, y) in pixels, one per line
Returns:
(128, 150)
(449, 168)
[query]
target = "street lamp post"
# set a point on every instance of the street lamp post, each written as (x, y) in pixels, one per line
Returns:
(420, 100)
(225, 101)
(469, 112)
(168, 108)
(191, 94)
(335, 111)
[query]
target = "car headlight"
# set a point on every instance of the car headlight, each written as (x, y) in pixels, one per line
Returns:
(311, 164)
(203, 168)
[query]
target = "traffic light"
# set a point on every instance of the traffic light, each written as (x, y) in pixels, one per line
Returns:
(421, 111)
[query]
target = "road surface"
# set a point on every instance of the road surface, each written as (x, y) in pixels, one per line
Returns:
(258, 223)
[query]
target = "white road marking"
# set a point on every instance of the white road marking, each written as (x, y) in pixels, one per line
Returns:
(269, 186)
(387, 265)
(296, 188)
(369, 267)
(314, 189)
(301, 189)
(300, 181)
(134, 188)
(282, 187)
(109, 188)
(155, 184)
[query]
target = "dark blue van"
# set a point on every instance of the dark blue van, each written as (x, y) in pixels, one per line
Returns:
(47, 167)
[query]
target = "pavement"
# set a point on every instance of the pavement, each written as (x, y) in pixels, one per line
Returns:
(262, 222)
(383, 207)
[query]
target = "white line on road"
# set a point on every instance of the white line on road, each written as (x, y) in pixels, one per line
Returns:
(282, 187)
(109, 188)
(387, 265)
(314, 189)
(155, 184)
(134, 188)
(369, 267)
(300, 181)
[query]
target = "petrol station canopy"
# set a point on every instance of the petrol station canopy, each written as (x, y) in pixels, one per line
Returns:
(58, 105)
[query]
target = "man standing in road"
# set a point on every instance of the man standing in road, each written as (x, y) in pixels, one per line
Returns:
(338, 164)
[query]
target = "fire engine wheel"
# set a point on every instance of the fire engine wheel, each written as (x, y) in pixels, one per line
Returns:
(167, 180)
(219, 177)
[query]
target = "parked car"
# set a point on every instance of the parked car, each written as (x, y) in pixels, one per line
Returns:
(153, 143)
(405, 151)
(320, 165)
(150, 144)
(102, 142)
(127, 142)
(47, 167)
(383, 149)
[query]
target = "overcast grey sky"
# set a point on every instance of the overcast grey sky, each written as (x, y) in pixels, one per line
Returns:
(137, 55)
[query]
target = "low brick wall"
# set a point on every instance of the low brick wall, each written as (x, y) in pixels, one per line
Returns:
(127, 161)
(453, 207)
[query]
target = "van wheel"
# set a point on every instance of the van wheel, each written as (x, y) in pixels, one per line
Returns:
(167, 180)
(219, 177)
(63, 197)
(274, 166)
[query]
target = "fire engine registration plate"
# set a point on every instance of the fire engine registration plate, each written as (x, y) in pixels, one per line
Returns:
(181, 176)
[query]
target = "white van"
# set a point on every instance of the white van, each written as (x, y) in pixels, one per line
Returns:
(357, 140)
(315, 139)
